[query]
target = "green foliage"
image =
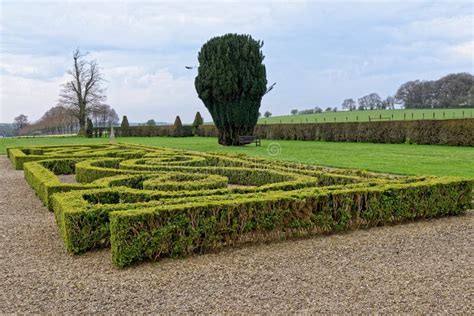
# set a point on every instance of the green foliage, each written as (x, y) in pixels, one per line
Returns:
(124, 126)
(89, 128)
(198, 121)
(433, 132)
(231, 82)
(177, 123)
(178, 129)
(452, 90)
(148, 203)
(150, 122)
(424, 159)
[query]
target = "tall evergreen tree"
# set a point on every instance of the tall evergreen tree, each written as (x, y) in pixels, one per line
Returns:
(177, 122)
(178, 127)
(125, 126)
(89, 128)
(198, 121)
(231, 82)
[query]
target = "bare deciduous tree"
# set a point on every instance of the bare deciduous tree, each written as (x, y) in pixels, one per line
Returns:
(349, 104)
(370, 102)
(84, 90)
(20, 121)
(103, 115)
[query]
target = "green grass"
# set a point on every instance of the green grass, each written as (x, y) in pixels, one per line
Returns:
(363, 116)
(390, 158)
(53, 140)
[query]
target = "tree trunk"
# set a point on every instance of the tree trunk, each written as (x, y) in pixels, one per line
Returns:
(82, 119)
(229, 136)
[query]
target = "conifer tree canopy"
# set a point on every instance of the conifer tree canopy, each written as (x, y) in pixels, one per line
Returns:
(89, 127)
(125, 126)
(231, 82)
(125, 123)
(198, 121)
(177, 122)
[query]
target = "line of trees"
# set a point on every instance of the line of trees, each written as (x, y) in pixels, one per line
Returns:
(62, 120)
(371, 101)
(316, 110)
(453, 90)
(81, 103)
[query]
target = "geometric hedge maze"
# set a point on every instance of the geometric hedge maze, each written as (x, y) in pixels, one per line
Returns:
(148, 202)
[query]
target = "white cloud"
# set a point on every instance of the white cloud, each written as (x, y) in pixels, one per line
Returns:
(133, 89)
(140, 94)
(30, 96)
(437, 28)
(464, 50)
(318, 52)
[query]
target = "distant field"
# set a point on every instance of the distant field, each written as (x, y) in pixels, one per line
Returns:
(390, 158)
(374, 115)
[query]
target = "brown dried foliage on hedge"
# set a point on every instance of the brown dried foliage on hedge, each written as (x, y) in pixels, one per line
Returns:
(458, 132)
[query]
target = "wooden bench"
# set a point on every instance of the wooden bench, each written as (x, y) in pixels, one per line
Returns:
(244, 140)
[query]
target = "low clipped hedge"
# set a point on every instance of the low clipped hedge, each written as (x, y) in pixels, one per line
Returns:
(147, 203)
(459, 132)
(147, 131)
(178, 230)
(42, 177)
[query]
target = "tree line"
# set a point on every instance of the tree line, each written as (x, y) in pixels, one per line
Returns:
(81, 101)
(451, 91)
(231, 86)
(62, 120)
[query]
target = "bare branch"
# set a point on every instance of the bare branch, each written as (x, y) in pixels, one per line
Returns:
(84, 90)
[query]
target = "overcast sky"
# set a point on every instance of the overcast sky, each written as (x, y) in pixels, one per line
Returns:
(319, 53)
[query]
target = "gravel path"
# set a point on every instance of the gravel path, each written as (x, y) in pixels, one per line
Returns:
(419, 267)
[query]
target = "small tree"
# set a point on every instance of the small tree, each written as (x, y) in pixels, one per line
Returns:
(267, 114)
(231, 82)
(177, 127)
(151, 122)
(328, 109)
(198, 121)
(177, 122)
(83, 90)
(294, 112)
(20, 121)
(89, 128)
(349, 104)
(125, 126)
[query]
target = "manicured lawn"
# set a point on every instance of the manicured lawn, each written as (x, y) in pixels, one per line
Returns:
(363, 116)
(56, 140)
(391, 158)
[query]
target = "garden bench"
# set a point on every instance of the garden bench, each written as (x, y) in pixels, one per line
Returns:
(244, 140)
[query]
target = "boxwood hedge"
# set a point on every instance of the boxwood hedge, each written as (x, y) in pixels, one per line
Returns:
(147, 202)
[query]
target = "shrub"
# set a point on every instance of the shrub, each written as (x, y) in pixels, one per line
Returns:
(459, 132)
(198, 121)
(125, 126)
(231, 82)
(89, 128)
(148, 202)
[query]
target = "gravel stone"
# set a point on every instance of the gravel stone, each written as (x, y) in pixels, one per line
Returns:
(418, 267)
